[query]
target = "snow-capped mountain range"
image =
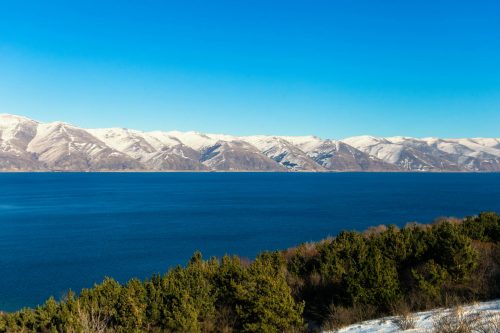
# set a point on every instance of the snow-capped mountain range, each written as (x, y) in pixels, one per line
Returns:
(28, 145)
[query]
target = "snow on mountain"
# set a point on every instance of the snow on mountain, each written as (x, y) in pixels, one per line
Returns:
(16, 129)
(27, 145)
(199, 141)
(432, 154)
(60, 146)
(284, 153)
(486, 142)
(378, 147)
(470, 154)
(467, 147)
(130, 142)
(237, 155)
(160, 139)
(490, 146)
(15, 134)
(305, 143)
(155, 150)
(483, 317)
(179, 157)
(339, 156)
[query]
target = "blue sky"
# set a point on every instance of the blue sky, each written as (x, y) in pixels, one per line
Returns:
(332, 68)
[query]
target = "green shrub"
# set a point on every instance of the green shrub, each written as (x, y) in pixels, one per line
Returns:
(264, 300)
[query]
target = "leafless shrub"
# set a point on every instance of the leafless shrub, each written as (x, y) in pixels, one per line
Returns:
(315, 279)
(92, 320)
(447, 219)
(417, 226)
(373, 231)
(456, 321)
(489, 324)
(453, 301)
(340, 316)
(404, 318)
(307, 250)
(405, 321)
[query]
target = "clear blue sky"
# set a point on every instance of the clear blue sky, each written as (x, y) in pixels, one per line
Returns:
(332, 68)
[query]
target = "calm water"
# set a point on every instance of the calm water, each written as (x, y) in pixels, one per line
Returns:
(61, 231)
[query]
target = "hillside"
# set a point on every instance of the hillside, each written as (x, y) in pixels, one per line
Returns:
(28, 145)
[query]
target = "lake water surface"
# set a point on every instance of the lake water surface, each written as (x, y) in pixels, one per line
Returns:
(68, 230)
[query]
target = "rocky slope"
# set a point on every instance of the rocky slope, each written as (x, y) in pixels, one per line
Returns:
(432, 154)
(28, 145)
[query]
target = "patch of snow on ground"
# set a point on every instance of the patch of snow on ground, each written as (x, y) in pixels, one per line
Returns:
(424, 320)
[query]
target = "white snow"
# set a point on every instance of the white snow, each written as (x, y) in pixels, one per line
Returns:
(15, 133)
(197, 141)
(127, 141)
(386, 149)
(23, 136)
(285, 151)
(424, 320)
(481, 145)
(163, 138)
(8, 125)
(460, 151)
(305, 143)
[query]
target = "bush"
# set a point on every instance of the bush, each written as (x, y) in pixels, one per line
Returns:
(489, 324)
(264, 300)
(456, 321)
(405, 321)
(404, 318)
(338, 316)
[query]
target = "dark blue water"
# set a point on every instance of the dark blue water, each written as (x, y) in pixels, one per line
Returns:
(61, 231)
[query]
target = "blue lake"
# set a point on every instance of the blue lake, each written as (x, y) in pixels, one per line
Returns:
(68, 230)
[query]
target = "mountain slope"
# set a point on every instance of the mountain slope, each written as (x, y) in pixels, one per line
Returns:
(15, 135)
(432, 154)
(339, 156)
(156, 151)
(284, 152)
(237, 156)
(60, 146)
(28, 145)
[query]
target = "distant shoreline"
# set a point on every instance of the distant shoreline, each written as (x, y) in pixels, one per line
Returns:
(239, 171)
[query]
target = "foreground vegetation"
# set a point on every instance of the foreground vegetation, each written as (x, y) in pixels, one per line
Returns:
(352, 277)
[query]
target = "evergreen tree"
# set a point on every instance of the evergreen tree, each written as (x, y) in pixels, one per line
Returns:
(265, 303)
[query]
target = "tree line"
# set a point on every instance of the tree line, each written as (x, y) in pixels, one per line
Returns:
(334, 282)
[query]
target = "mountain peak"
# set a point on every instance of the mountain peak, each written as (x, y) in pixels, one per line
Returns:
(29, 145)
(7, 117)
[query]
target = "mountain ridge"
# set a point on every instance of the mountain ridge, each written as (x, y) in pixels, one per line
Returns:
(29, 145)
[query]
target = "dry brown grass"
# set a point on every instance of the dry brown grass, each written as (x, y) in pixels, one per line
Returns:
(340, 316)
(405, 322)
(459, 321)
(404, 318)
(489, 324)
(377, 230)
